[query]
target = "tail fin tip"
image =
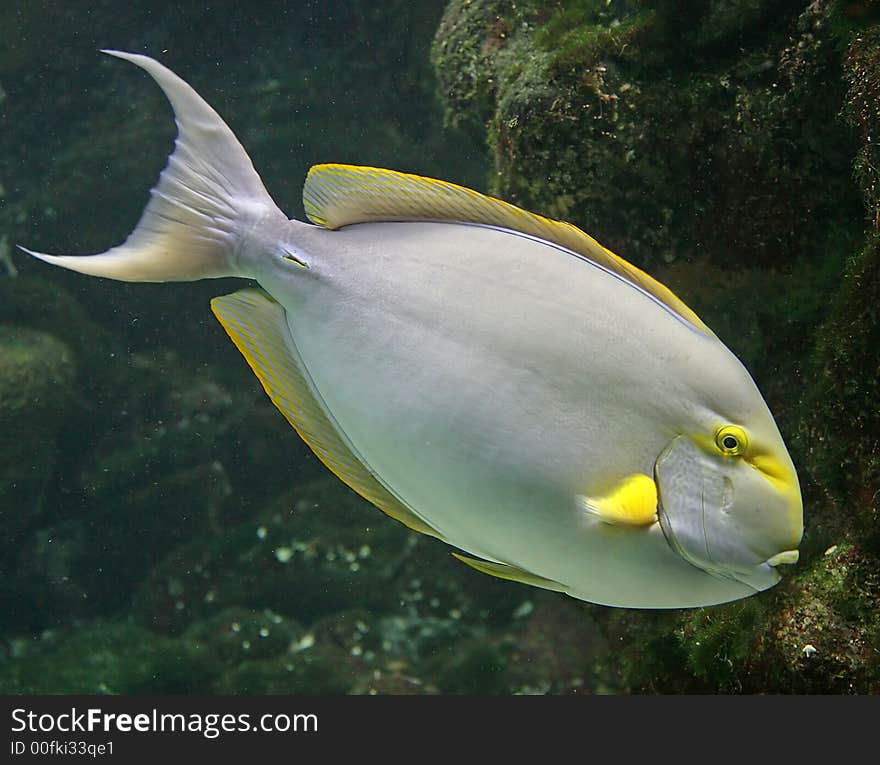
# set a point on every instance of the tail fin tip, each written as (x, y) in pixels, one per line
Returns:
(207, 196)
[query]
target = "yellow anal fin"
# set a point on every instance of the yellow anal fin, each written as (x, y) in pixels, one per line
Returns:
(341, 195)
(258, 326)
(506, 571)
(632, 502)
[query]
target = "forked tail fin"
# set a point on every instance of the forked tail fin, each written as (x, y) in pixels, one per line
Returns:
(208, 198)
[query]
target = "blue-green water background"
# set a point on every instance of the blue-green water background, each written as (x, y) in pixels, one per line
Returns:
(161, 527)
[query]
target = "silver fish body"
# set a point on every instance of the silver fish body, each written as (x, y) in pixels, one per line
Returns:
(502, 380)
(490, 378)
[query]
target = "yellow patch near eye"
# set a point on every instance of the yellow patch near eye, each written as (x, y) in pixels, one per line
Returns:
(731, 440)
(632, 502)
(775, 471)
(780, 476)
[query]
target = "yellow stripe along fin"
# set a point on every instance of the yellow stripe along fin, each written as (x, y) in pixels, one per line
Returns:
(512, 573)
(341, 195)
(257, 325)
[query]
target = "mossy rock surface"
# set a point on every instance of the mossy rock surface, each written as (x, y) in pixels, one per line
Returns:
(236, 634)
(107, 658)
(37, 373)
(316, 550)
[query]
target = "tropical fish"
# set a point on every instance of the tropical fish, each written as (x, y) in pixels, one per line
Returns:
(482, 374)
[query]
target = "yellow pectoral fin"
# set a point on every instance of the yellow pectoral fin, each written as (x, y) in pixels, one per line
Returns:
(513, 574)
(632, 502)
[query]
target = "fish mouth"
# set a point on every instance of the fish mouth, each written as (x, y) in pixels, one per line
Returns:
(758, 578)
(784, 558)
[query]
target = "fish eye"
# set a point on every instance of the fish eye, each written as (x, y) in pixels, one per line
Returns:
(731, 440)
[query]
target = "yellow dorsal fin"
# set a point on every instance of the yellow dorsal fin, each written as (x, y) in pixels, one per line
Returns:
(632, 502)
(505, 571)
(258, 327)
(341, 195)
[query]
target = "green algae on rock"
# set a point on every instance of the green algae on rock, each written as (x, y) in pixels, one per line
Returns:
(840, 433)
(622, 119)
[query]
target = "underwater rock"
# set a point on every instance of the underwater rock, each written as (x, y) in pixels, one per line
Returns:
(550, 645)
(51, 412)
(815, 632)
(557, 643)
(633, 121)
(308, 667)
(106, 657)
(392, 682)
(44, 591)
(822, 635)
(37, 371)
(6, 262)
(156, 478)
(237, 635)
(356, 631)
(723, 169)
(317, 550)
(59, 378)
(842, 410)
(439, 601)
(387, 600)
(469, 36)
(132, 531)
(38, 304)
(150, 480)
(841, 421)
(474, 666)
